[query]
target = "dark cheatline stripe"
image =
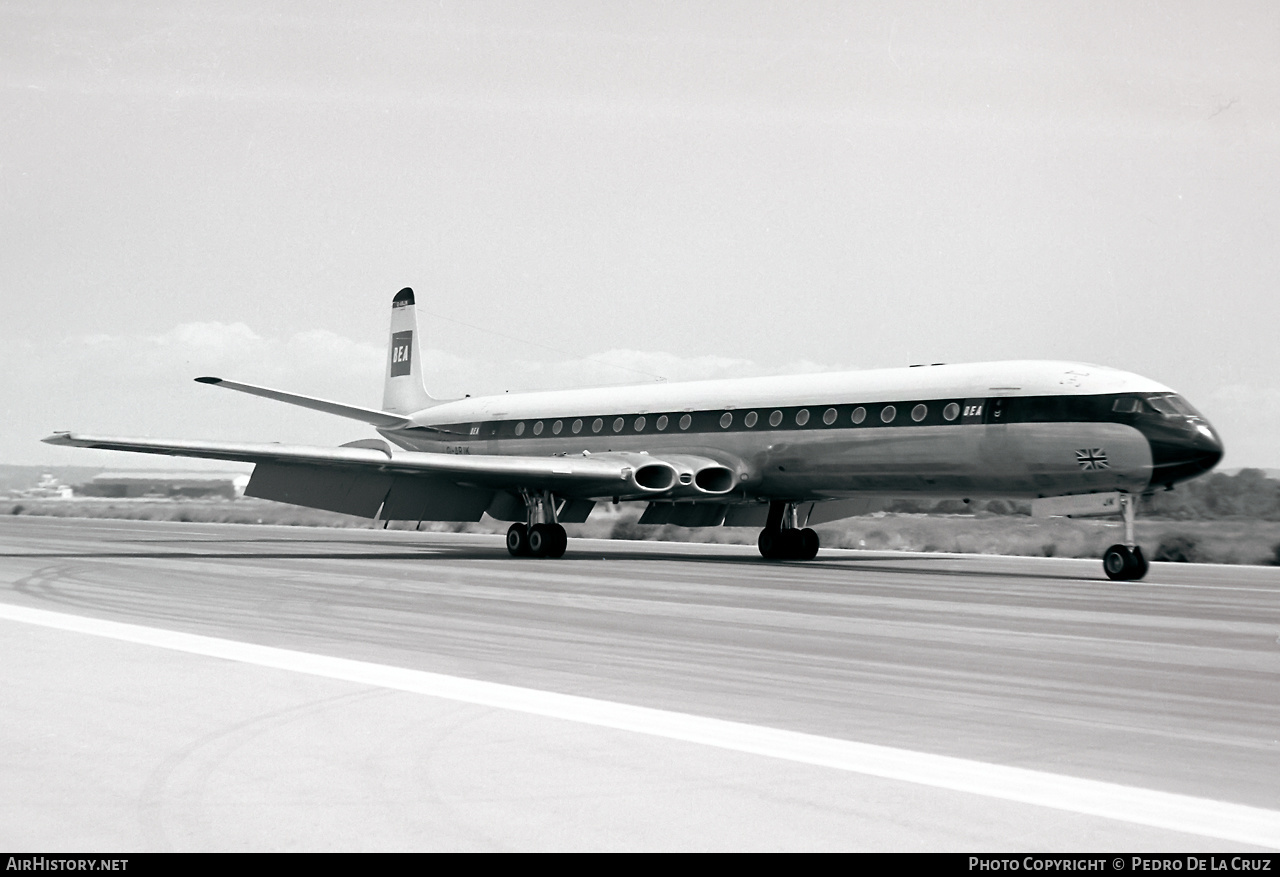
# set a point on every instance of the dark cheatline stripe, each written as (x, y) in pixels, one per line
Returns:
(1006, 409)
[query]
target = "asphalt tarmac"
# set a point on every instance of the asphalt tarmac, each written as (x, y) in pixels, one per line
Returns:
(1171, 684)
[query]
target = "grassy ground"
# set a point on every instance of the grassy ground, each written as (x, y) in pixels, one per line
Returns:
(1221, 541)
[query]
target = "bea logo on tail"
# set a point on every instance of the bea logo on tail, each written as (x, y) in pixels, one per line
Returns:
(401, 355)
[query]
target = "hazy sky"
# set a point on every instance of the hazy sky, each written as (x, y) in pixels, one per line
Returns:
(686, 189)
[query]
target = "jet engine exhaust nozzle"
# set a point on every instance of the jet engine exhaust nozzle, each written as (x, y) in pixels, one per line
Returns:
(714, 479)
(655, 477)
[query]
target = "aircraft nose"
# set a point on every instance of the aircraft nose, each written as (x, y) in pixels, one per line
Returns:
(1181, 448)
(1206, 445)
(1189, 450)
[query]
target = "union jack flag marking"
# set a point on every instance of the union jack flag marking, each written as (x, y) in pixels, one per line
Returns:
(1092, 458)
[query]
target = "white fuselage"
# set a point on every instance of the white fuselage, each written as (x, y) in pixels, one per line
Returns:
(944, 438)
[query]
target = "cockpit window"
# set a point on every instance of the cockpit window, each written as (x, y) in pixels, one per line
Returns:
(1126, 405)
(1172, 405)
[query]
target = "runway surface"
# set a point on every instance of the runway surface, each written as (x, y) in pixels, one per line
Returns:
(1170, 684)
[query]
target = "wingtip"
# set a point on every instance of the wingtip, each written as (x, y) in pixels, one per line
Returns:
(208, 380)
(61, 437)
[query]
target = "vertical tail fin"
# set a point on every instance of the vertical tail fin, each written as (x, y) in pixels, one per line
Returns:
(405, 390)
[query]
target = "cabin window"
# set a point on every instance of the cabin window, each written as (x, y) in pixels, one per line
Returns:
(951, 412)
(520, 428)
(887, 413)
(685, 421)
(597, 424)
(537, 428)
(802, 417)
(750, 419)
(775, 418)
(619, 424)
(859, 414)
(1126, 405)
(639, 424)
(829, 416)
(662, 423)
(920, 412)
(577, 427)
(556, 427)
(726, 420)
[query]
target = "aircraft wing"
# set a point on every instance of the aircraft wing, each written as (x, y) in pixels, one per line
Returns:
(370, 475)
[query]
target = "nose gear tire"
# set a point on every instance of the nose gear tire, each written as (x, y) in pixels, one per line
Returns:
(1122, 564)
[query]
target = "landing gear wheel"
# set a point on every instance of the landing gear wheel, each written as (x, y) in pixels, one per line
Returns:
(769, 543)
(542, 539)
(809, 544)
(518, 540)
(788, 544)
(559, 543)
(1123, 564)
(1116, 563)
(1140, 565)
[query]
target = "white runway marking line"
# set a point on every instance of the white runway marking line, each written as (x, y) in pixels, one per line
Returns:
(1182, 813)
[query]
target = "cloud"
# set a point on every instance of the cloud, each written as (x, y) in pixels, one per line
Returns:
(140, 383)
(449, 375)
(213, 347)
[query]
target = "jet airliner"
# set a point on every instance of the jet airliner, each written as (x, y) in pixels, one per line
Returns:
(782, 453)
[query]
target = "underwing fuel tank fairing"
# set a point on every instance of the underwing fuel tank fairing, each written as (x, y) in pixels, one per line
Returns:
(780, 453)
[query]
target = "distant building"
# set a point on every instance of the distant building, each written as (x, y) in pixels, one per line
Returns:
(204, 485)
(48, 488)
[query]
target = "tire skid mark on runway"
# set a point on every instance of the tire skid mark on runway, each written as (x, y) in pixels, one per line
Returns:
(1197, 816)
(439, 743)
(180, 782)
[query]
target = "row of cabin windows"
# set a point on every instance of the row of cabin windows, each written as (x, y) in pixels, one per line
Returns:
(887, 415)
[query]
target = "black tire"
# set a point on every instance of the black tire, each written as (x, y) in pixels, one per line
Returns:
(1140, 565)
(1118, 563)
(542, 539)
(790, 540)
(560, 541)
(769, 543)
(518, 540)
(809, 545)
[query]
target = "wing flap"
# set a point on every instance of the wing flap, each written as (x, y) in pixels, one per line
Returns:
(415, 498)
(349, 491)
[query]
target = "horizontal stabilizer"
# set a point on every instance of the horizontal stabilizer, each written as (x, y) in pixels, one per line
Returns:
(365, 415)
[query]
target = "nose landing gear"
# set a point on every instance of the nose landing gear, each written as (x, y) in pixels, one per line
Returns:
(1124, 562)
(541, 536)
(782, 538)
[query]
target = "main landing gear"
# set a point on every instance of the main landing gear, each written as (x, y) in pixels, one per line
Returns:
(541, 536)
(1124, 562)
(782, 538)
